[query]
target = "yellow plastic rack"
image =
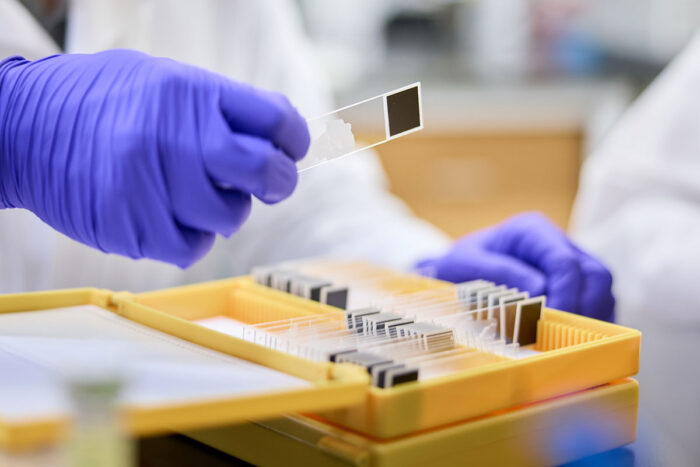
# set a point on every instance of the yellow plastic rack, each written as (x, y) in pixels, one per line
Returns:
(577, 353)
(334, 385)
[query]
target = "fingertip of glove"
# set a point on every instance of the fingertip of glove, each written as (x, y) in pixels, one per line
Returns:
(426, 269)
(295, 132)
(292, 133)
(188, 261)
(274, 197)
(184, 262)
(280, 182)
(535, 285)
(198, 245)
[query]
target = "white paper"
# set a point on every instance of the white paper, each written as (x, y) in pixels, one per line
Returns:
(225, 325)
(39, 350)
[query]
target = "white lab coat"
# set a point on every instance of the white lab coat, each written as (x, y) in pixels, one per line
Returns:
(341, 208)
(638, 209)
(639, 201)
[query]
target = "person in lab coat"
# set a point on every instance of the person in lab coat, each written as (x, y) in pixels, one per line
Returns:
(638, 208)
(342, 208)
(638, 204)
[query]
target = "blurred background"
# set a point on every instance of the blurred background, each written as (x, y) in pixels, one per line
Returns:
(515, 92)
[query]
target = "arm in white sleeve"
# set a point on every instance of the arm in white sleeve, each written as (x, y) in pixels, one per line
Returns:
(638, 206)
(342, 208)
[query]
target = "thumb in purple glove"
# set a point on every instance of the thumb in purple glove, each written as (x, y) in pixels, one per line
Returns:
(530, 253)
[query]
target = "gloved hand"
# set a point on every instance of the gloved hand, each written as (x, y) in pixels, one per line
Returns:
(142, 156)
(530, 253)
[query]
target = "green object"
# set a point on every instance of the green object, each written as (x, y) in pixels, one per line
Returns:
(96, 439)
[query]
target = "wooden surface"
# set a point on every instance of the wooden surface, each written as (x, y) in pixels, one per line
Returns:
(464, 181)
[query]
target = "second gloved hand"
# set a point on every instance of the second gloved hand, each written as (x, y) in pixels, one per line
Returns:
(529, 252)
(142, 156)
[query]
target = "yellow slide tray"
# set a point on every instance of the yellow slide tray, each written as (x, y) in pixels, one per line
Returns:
(331, 385)
(577, 353)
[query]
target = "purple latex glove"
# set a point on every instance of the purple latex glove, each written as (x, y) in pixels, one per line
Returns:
(142, 156)
(527, 251)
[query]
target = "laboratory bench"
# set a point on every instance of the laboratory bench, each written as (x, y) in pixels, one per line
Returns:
(180, 451)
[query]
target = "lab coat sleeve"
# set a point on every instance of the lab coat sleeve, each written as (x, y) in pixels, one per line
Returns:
(638, 206)
(21, 35)
(340, 209)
